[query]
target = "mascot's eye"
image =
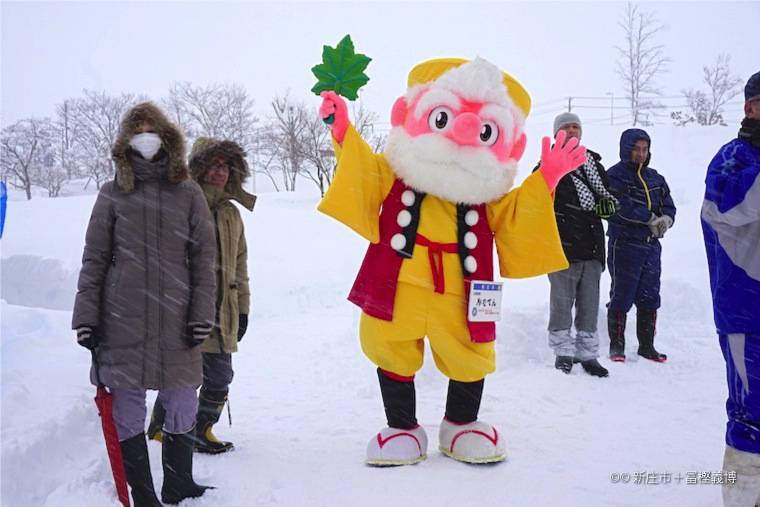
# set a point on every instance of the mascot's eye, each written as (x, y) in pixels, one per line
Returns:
(440, 119)
(489, 133)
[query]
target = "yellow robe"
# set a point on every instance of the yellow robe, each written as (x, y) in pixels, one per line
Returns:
(527, 243)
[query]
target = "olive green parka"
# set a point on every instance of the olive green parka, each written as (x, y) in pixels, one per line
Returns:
(232, 292)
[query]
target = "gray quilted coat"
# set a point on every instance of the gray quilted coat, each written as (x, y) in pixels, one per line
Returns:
(148, 264)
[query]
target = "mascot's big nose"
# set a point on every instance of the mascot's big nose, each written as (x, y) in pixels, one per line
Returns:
(466, 128)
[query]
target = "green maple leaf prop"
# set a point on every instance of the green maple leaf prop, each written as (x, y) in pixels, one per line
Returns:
(341, 70)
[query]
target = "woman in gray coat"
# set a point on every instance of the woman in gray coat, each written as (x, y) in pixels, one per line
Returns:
(145, 297)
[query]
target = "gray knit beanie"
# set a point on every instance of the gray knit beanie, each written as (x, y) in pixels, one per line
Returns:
(753, 87)
(563, 119)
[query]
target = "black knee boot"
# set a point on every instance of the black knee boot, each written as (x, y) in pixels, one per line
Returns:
(156, 421)
(177, 459)
(399, 400)
(210, 405)
(646, 328)
(463, 401)
(616, 329)
(134, 452)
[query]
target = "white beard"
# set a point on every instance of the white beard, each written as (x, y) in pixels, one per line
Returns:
(435, 165)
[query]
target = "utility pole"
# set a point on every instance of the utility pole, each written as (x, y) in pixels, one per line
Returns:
(612, 105)
(569, 104)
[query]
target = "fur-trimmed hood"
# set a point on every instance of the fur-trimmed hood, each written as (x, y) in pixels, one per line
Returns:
(172, 143)
(206, 149)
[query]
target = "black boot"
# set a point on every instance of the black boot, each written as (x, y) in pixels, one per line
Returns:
(210, 405)
(156, 421)
(177, 459)
(134, 452)
(564, 363)
(616, 329)
(646, 328)
(592, 367)
(399, 400)
(463, 401)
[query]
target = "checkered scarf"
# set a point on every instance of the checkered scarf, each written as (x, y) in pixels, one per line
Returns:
(589, 184)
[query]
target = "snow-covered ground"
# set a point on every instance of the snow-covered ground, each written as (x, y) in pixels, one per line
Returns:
(305, 401)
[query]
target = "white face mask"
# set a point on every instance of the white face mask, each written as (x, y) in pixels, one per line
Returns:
(147, 143)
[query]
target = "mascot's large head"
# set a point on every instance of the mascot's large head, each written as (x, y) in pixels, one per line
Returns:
(458, 132)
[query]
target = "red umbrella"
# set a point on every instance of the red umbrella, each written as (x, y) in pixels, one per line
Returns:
(104, 402)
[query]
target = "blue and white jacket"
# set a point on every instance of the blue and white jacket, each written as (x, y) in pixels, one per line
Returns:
(731, 227)
(640, 191)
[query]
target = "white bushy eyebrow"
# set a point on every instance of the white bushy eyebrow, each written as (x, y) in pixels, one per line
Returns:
(436, 97)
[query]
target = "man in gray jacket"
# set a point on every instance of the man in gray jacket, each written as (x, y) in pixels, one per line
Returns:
(145, 297)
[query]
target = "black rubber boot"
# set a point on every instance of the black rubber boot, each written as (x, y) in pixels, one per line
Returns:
(463, 401)
(134, 452)
(564, 363)
(399, 400)
(593, 368)
(177, 458)
(156, 421)
(646, 328)
(616, 329)
(210, 405)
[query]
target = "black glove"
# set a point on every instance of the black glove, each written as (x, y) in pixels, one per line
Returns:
(88, 336)
(196, 333)
(605, 207)
(242, 325)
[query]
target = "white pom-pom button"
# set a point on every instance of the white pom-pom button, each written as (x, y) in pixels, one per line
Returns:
(407, 198)
(470, 240)
(471, 217)
(398, 242)
(404, 218)
(470, 264)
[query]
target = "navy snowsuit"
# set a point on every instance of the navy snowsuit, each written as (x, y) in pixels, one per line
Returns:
(633, 257)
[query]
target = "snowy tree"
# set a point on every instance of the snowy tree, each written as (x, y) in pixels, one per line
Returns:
(23, 147)
(641, 61)
(96, 118)
(707, 108)
(222, 110)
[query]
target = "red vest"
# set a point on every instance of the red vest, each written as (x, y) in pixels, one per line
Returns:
(374, 290)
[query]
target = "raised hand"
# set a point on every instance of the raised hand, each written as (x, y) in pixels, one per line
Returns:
(560, 159)
(335, 113)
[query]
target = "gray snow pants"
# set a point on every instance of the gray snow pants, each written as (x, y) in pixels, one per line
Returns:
(130, 411)
(576, 286)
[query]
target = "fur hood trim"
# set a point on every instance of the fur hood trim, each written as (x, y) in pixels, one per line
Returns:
(172, 143)
(206, 149)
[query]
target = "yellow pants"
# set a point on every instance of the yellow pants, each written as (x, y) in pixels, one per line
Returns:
(397, 346)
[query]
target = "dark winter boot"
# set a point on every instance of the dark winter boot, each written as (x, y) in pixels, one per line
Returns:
(156, 421)
(134, 452)
(564, 363)
(399, 400)
(592, 367)
(646, 328)
(210, 405)
(463, 401)
(616, 328)
(177, 459)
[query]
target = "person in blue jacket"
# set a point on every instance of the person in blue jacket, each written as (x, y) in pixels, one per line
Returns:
(731, 228)
(645, 214)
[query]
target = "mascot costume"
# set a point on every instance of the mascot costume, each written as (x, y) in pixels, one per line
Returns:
(432, 206)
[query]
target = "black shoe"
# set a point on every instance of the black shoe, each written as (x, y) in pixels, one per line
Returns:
(134, 452)
(592, 367)
(564, 363)
(177, 458)
(651, 354)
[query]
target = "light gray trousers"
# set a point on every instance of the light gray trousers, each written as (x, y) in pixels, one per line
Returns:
(576, 286)
(130, 411)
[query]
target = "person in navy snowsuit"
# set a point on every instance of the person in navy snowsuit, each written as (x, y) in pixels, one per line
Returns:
(645, 214)
(731, 228)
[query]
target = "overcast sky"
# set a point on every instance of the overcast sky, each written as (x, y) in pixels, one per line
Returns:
(52, 50)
